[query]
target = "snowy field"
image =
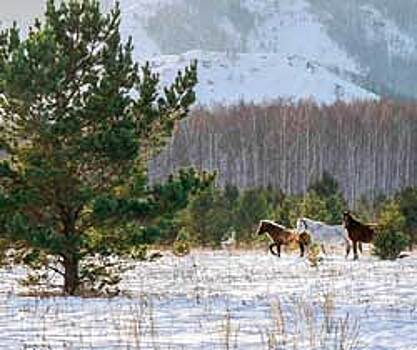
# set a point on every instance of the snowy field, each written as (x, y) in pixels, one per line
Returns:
(227, 300)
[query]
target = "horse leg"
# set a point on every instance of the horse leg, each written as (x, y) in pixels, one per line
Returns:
(347, 249)
(355, 250)
(322, 248)
(301, 249)
(360, 247)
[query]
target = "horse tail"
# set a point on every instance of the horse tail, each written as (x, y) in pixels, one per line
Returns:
(272, 250)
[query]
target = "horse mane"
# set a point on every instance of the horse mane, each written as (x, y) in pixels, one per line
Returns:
(353, 221)
(315, 223)
(273, 223)
(312, 221)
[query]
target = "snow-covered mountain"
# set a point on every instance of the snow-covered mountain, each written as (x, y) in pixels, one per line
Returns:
(258, 50)
(255, 50)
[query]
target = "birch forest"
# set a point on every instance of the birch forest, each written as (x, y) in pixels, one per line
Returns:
(369, 147)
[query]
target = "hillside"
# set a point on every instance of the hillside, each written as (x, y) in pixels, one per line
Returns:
(248, 50)
(257, 50)
(335, 49)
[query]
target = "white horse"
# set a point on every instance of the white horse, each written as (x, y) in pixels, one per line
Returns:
(324, 233)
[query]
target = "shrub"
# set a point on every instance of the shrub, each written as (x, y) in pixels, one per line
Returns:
(314, 254)
(288, 211)
(139, 253)
(407, 201)
(388, 245)
(252, 207)
(183, 235)
(326, 186)
(181, 248)
(328, 190)
(369, 205)
(207, 217)
(311, 205)
(390, 241)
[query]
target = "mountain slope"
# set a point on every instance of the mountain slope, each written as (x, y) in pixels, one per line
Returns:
(248, 50)
(381, 35)
(266, 49)
(259, 78)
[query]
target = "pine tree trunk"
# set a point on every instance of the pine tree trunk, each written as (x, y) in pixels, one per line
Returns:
(71, 276)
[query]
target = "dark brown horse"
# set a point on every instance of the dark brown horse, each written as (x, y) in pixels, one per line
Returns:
(358, 232)
(281, 235)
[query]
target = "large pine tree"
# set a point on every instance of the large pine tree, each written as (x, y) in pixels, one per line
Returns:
(79, 120)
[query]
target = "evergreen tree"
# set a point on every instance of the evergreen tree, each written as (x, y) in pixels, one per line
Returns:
(314, 207)
(252, 207)
(231, 194)
(367, 209)
(407, 200)
(79, 122)
(327, 189)
(288, 211)
(208, 217)
(390, 240)
(273, 196)
(326, 186)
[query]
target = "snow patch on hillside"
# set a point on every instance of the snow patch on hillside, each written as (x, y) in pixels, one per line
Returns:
(291, 28)
(230, 78)
(379, 28)
(145, 47)
(288, 55)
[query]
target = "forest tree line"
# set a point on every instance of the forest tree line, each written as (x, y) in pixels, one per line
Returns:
(217, 214)
(368, 147)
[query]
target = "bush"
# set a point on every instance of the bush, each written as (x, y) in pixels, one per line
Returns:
(407, 201)
(181, 248)
(389, 245)
(288, 211)
(327, 189)
(314, 207)
(369, 205)
(311, 205)
(252, 207)
(207, 217)
(139, 253)
(390, 241)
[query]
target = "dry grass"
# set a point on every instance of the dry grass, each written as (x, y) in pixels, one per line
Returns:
(304, 326)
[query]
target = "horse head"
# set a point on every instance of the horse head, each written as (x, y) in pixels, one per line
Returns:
(265, 226)
(261, 228)
(347, 218)
(301, 225)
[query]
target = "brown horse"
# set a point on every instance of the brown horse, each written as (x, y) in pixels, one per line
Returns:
(281, 235)
(358, 232)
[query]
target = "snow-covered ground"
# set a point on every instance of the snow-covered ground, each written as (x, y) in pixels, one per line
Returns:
(223, 300)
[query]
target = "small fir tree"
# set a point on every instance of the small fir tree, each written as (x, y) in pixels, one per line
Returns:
(390, 240)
